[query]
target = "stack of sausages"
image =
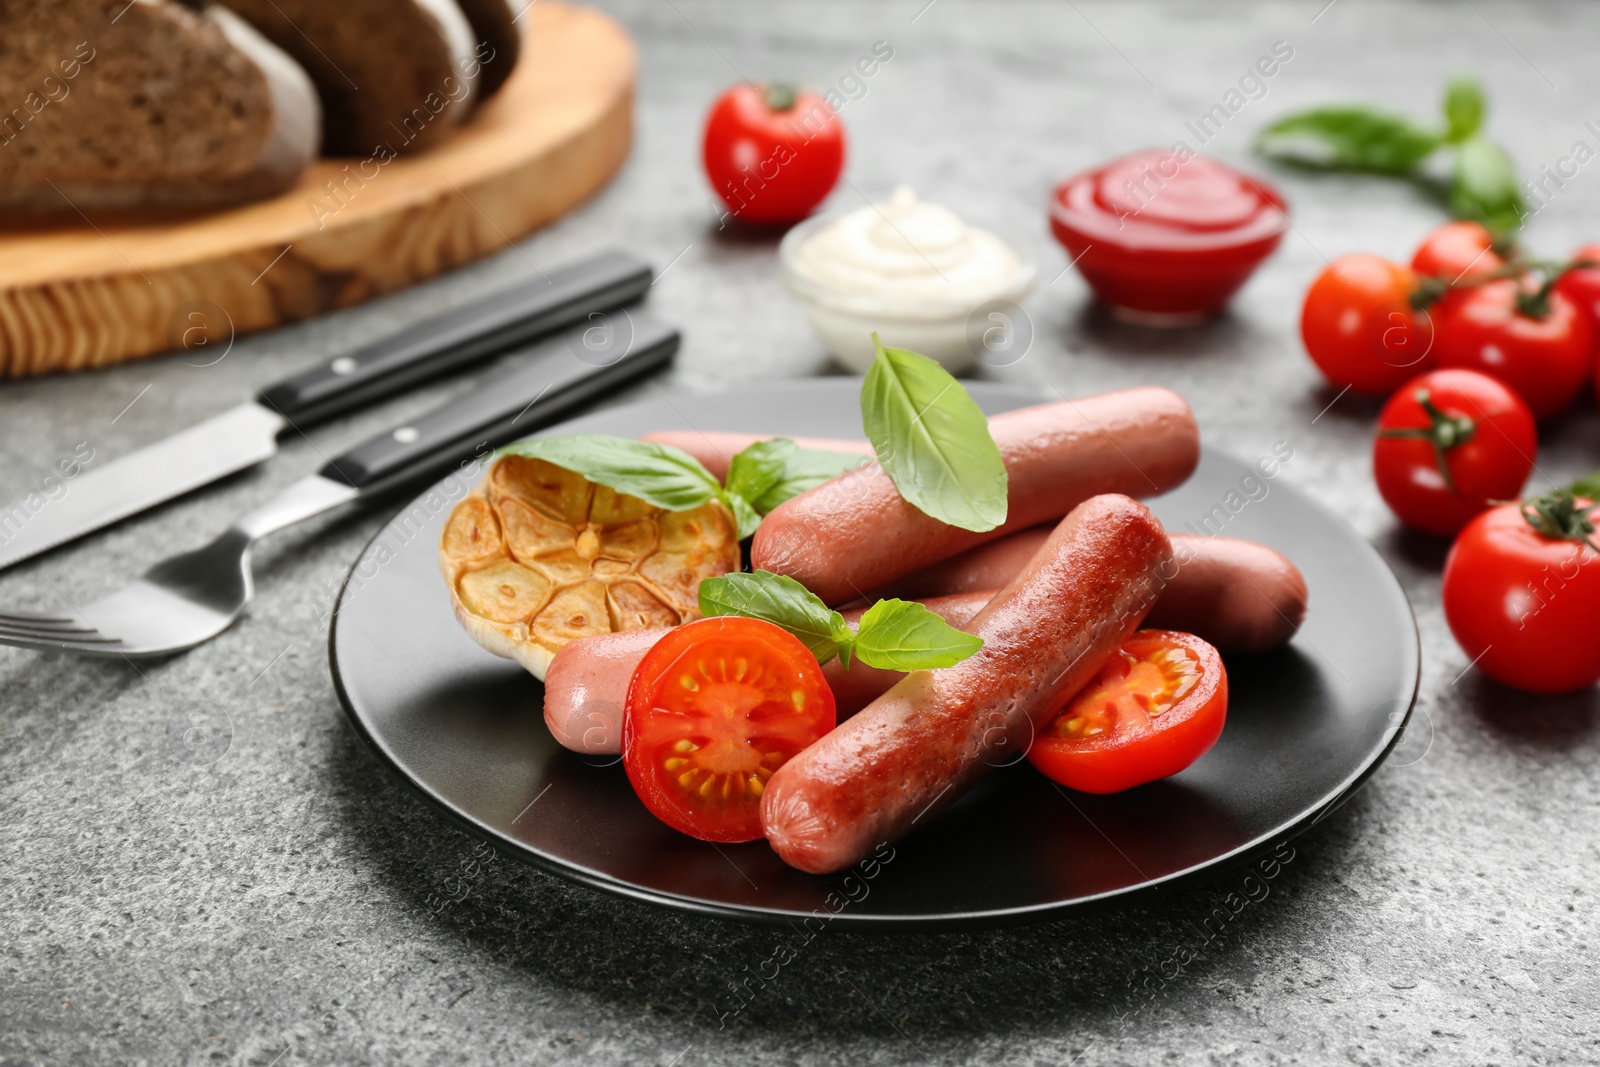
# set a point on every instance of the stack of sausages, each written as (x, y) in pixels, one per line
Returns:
(1078, 566)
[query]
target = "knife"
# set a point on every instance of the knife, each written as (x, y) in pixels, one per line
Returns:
(248, 434)
(549, 382)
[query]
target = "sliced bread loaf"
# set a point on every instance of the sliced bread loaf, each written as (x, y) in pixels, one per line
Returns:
(113, 104)
(497, 37)
(393, 74)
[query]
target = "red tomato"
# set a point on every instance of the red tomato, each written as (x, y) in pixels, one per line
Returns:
(1449, 444)
(1359, 326)
(1521, 598)
(1582, 286)
(1456, 250)
(713, 709)
(772, 153)
(1154, 709)
(1545, 359)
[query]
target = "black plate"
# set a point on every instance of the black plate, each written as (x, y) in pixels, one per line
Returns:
(1306, 724)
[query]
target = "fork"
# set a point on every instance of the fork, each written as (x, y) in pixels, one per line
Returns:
(187, 599)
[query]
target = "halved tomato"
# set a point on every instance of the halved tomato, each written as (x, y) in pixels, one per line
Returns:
(713, 709)
(1154, 709)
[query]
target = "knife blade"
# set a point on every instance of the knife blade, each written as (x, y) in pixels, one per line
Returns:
(248, 434)
(175, 465)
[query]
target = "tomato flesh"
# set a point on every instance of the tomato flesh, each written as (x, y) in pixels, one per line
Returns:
(1154, 709)
(714, 708)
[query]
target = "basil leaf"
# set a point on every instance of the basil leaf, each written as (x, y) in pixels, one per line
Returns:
(1463, 108)
(660, 475)
(1485, 186)
(744, 515)
(933, 440)
(1348, 138)
(898, 635)
(756, 469)
(1588, 486)
(806, 469)
(782, 601)
(902, 635)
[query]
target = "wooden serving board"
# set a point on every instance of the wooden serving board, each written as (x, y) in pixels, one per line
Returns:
(83, 294)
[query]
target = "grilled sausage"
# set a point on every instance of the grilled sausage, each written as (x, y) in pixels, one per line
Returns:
(856, 532)
(925, 741)
(1238, 595)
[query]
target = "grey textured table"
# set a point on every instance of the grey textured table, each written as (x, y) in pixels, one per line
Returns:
(273, 897)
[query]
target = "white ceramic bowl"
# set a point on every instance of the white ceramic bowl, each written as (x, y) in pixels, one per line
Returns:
(947, 330)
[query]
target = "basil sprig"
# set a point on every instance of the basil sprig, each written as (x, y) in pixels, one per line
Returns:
(930, 437)
(760, 477)
(933, 440)
(898, 635)
(1349, 138)
(1484, 186)
(770, 472)
(903, 635)
(1483, 181)
(660, 475)
(804, 469)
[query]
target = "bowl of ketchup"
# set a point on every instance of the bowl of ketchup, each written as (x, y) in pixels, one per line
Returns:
(1166, 236)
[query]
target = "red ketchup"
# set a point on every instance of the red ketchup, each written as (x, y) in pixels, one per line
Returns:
(1166, 236)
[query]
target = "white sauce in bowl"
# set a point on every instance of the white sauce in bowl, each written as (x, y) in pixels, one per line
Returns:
(906, 254)
(911, 271)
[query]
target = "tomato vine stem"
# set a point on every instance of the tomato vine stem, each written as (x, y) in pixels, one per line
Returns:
(1444, 432)
(1557, 516)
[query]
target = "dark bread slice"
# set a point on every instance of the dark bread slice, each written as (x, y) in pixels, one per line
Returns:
(395, 74)
(497, 36)
(120, 105)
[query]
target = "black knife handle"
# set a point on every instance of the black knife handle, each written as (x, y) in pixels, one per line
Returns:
(537, 306)
(556, 377)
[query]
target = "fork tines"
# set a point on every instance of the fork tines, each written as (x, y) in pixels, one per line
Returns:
(52, 632)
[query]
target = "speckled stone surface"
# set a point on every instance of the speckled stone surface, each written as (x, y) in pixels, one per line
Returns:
(201, 866)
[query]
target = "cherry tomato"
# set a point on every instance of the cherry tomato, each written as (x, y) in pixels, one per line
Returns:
(772, 152)
(1582, 286)
(1154, 709)
(1545, 358)
(1521, 587)
(1449, 444)
(1456, 250)
(1359, 326)
(713, 709)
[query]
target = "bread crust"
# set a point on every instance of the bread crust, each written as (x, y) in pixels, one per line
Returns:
(297, 133)
(394, 75)
(494, 23)
(234, 119)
